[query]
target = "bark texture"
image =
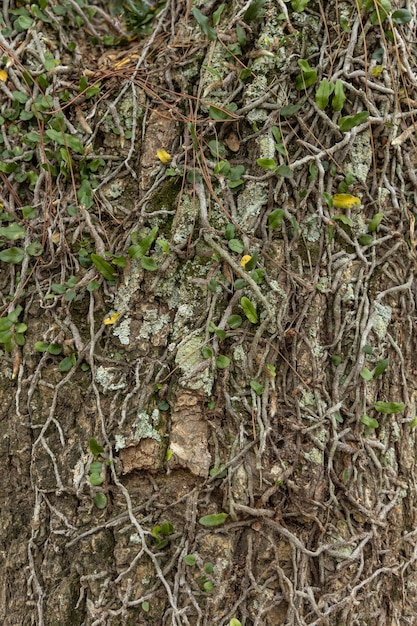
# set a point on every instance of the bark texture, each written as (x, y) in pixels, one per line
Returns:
(295, 417)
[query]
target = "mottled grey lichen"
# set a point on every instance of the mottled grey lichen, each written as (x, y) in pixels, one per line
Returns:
(250, 203)
(110, 379)
(314, 456)
(360, 156)
(122, 331)
(153, 323)
(184, 220)
(144, 426)
(189, 359)
(382, 319)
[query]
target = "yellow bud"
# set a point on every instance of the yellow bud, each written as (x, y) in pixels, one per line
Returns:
(245, 259)
(3, 76)
(345, 201)
(163, 156)
(111, 319)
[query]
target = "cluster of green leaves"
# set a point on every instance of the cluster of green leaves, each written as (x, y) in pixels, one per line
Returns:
(137, 15)
(161, 534)
(11, 233)
(140, 248)
(379, 10)
(253, 13)
(55, 349)
(271, 164)
(12, 332)
(97, 471)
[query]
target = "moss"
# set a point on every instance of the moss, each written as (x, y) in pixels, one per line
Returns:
(165, 198)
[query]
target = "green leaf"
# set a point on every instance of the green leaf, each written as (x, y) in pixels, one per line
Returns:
(365, 374)
(285, 171)
(236, 245)
(369, 422)
(163, 405)
(96, 479)
(13, 231)
(234, 622)
(64, 139)
(380, 368)
(257, 275)
(254, 11)
(95, 448)
(139, 250)
(375, 222)
(41, 346)
(23, 22)
(190, 560)
(28, 212)
(234, 321)
(100, 500)
(54, 348)
(252, 261)
(6, 323)
(368, 349)
(241, 36)
(34, 248)
(240, 283)
(104, 267)
(289, 110)
(221, 334)
(345, 220)
(350, 121)
(267, 164)
(222, 362)
(218, 472)
(389, 407)
(93, 285)
(148, 264)
(307, 77)
(85, 194)
(219, 114)
(257, 387)
(208, 586)
(323, 93)
(67, 363)
(212, 285)
(299, 5)
(339, 97)
(401, 16)
(164, 244)
(230, 231)
(204, 24)
(5, 336)
(365, 240)
(206, 352)
(12, 255)
(213, 520)
(275, 218)
(145, 606)
(217, 14)
(249, 310)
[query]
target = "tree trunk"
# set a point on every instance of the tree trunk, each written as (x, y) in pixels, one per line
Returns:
(211, 414)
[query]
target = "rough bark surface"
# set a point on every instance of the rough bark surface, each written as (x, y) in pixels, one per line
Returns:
(297, 419)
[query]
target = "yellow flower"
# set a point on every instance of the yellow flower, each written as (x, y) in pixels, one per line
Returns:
(111, 319)
(245, 259)
(163, 156)
(345, 201)
(3, 76)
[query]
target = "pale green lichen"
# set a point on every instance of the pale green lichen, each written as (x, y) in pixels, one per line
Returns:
(360, 156)
(382, 319)
(120, 442)
(153, 323)
(189, 359)
(122, 331)
(314, 456)
(110, 379)
(250, 203)
(311, 230)
(184, 220)
(144, 427)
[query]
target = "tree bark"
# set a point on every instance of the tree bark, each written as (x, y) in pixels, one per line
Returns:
(253, 357)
